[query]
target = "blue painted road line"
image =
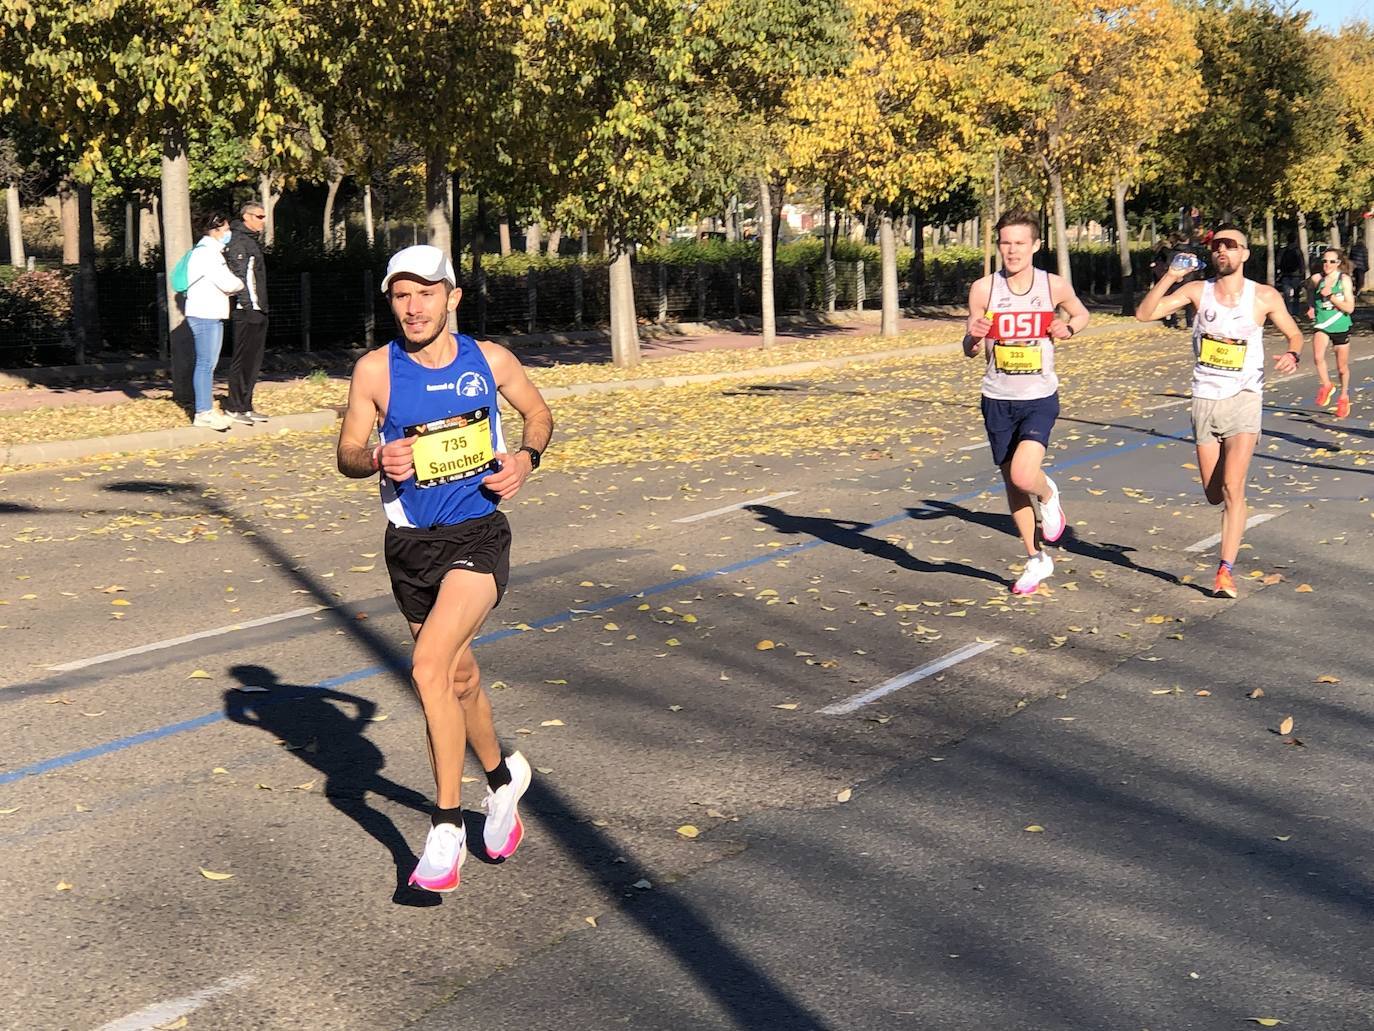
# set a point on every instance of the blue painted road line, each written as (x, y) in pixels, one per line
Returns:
(566, 616)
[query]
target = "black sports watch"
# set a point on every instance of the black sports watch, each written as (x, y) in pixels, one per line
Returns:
(534, 456)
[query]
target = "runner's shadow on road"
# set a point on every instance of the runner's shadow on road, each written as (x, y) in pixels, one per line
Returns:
(316, 725)
(848, 533)
(1071, 543)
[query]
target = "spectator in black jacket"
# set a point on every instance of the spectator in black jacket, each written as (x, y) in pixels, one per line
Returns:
(1291, 275)
(1359, 261)
(244, 258)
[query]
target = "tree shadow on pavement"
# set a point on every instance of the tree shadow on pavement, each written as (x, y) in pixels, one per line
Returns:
(726, 972)
(848, 533)
(1112, 554)
(316, 725)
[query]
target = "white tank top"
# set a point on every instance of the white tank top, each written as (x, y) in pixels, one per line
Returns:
(1020, 349)
(1228, 345)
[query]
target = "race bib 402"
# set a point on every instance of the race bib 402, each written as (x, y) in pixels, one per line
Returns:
(1222, 354)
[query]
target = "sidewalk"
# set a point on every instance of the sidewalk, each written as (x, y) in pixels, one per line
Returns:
(147, 380)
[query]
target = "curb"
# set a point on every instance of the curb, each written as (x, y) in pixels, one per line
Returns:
(157, 440)
(188, 436)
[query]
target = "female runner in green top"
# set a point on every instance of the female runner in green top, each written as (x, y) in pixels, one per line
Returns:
(1333, 299)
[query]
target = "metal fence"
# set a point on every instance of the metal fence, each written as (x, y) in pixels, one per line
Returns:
(336, 308)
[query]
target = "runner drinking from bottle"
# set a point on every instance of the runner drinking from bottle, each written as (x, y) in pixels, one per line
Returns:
(1016, 310)
(1228, 376)
(1333, 299)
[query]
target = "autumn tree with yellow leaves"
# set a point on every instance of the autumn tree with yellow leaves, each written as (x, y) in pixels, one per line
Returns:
(900, 123)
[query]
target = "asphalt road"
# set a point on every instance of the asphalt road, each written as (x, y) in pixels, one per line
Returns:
(850, 521)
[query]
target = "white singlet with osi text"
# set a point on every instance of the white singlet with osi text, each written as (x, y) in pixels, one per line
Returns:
(1020, 350)
(1228, 345)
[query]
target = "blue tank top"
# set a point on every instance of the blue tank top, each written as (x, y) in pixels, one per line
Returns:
(452, 412)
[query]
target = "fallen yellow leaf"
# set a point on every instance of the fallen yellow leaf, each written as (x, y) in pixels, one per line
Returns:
(1286, 726)
(764, 646)
(553, 723)
(1255, 693)
(362, 569)
(610, 626)
(677, 568)
(844, 795)
(212, 875)
(63, 886)
(171, 1025)
(688, 831)
(1035, 828)
(1303, 589)
(590, 919)
(121, 602)
(199, 674)
(786, 705)
(1266, 1021)
(1327, 678)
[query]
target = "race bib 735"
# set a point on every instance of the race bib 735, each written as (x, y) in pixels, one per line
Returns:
(452, 449)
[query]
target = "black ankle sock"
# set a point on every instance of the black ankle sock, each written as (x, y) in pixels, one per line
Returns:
(499, 777)
(440, 815)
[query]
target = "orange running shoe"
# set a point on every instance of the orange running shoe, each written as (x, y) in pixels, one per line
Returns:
(1342, 408)
(1324, 393)
(1225, 586)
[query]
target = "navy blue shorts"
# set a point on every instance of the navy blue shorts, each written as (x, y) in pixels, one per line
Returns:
(1010, 422)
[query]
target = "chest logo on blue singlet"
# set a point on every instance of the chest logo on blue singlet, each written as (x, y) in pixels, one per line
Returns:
(472, 384)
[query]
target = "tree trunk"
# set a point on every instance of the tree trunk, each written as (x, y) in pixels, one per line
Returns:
(503, 229)
(176, 241)
(71, 243)
(1369, 246)
(887, 244)
(1061, 235)
(917, 275)
(533, 235)
(14, 219)
(87, 306)
(1123, 247)
(130, 231)
(436, 202)
(269, 203)
(1303, 241)
(479, 276)
(828, 252)
(624, 332)
(149, 230)
(1335, 233)
(176, 213)
(555, 238)
(369, 227)
(334, 182)
(766, 263)
(1269, 275)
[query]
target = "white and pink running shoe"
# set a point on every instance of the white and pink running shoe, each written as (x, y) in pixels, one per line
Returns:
(1052, 521)
(1038, 567)
(445, 849)
(503, 830)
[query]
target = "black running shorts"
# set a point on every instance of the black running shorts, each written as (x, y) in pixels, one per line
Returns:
(418, 560)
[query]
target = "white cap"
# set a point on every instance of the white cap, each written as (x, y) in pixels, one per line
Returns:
(421, 261)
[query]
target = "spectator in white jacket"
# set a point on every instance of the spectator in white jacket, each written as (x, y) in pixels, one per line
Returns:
(207, 306)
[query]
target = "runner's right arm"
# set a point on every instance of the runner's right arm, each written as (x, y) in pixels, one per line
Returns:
(1160, 304)
(355, 458)
(979, 325)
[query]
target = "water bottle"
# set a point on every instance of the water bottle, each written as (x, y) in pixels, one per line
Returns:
(1184, 262)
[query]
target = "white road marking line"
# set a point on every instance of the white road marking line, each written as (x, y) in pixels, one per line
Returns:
(1215, 539)
(968, 651)
(154, 646)
(165, 1012)
(731, 508)
(974, 447)
(1168, 404)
